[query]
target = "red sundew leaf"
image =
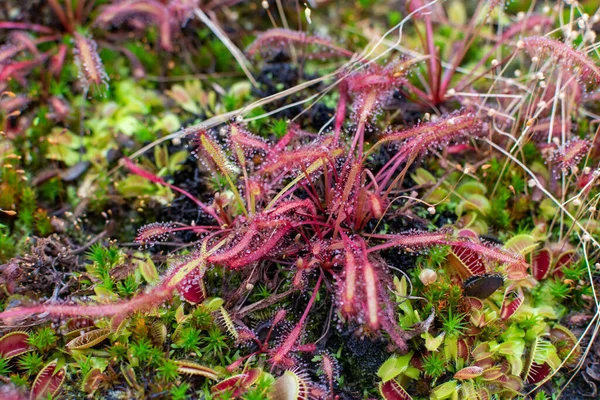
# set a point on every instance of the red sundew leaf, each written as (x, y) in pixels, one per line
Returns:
(459, 148)
(233, 252)
(154, 232)
(513, 299)
(262, 251)
(139, 303)
(376, 205)
(17, 70)
(117, 13)
(215, 154)
(411, 240)
(292, 160)
(57, 61)
(291, 206)
(372, 298)
(279, 38)
(306, 348)
(245, 139)
(8, 51)
(14, 343)
(135, 169)
(566, 56)
(570, 154)
(48, 382)
(471, 372)
(91, 69)
(280, 355)
(429, 132)
(192, 287)
(330, 367)
(540, 264)
(391, 390)
(350, 270)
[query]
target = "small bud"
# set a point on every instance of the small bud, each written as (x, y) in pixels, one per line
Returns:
(431, 210)
(265, 4)
(428, 276)
(517, 73)
(451, 92)
(577, 202)
(249, 286)
(494, 62)
(586, 238)
(531, 183)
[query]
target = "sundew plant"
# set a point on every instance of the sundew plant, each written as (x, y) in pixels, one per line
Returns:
(242, 200)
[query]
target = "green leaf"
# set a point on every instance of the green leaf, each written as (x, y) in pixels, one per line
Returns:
(446, 390)
(523, 244)
(148, 271)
